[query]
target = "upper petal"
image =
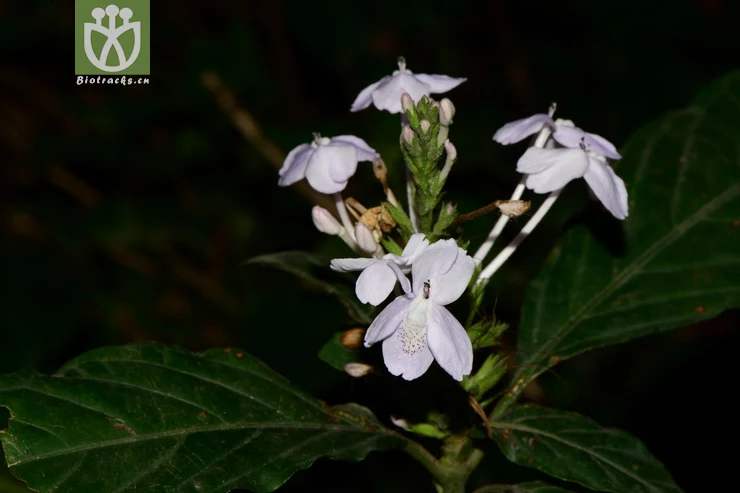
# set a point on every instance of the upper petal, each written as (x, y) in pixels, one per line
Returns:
(449, 343)
(375, 283)
(600, 145)
(535, 159)
(327, 162)
(521, 129)
(414, 247)
(364, 151)
(387, 96)
(435, 261)
(350, 264)
(440, 83)
(608, 187)
(448, 287)
(569, 136)
(365, 97)
(387, 321)
(408, 365)
(294, 166)
(566, 165)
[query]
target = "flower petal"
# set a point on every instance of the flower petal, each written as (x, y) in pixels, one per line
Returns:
(564, 165)
(608, 187)
(388, 94)
(449, 343)
(375, 283)
(440, 83)
(364, 151)
(365, 98)
(408, 365)
(452, 284)
(294, 166)
(402, 279)
(435, 261)
(351, 264)
(328, 161)
(387, 321)
(519, 130)
(569, 136)
(414, 247)
(536, 160)
(600, 145)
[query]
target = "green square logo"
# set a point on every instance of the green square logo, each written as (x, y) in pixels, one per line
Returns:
(112, 37)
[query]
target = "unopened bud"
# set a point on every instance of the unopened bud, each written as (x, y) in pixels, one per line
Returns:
(446, 112)
(451, 151)
(513, 208)
(352, 338)
(425, 125)
(324, 221)
(406, 102)
(407, 135)
(357, 370)
(365, 239)
(400, 422)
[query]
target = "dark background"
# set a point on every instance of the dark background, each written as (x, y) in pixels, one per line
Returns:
(127, 212)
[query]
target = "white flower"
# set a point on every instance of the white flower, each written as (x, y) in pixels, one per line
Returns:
(386, 93)
(327, 163)
(416, 328)
(379, 275)
(584, 155)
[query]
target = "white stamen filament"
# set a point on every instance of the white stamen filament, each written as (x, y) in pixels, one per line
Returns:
(504, 255)
(503, 220)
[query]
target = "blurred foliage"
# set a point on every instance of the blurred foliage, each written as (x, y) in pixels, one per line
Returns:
(127, 212)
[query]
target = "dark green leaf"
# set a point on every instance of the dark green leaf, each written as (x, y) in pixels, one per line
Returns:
(303, 265)
(148, 418)
(681, 259)
(571, 447)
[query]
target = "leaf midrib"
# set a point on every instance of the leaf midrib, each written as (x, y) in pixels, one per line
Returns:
(180, 432)
(536, 431)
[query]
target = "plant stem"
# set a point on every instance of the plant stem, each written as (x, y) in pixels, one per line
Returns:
(540, 142)
(504, 255)
(451, 471)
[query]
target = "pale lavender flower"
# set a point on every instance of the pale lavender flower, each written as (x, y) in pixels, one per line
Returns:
(584, 155)
(416, 328)
(386, 93)
(379, 275)
(327, 163)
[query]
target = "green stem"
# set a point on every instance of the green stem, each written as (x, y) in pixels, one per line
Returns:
(451, 471)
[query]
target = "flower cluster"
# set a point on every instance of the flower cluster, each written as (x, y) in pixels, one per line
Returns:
(416, 328)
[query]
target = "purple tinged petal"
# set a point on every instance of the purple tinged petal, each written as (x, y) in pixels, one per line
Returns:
(449, 286)
(400, 276)
(519, 130)
(435, 261)
(375, 283)
(449, 343)
(364, 151)
(414, 247)
(387, 321)
(365, 98)
(294, 166)
(570, 137)
(608, 187)
(409, 365)
(328, 161)
(388, 94)
(439, 83)
(600, 145)
(566, 165)
(351, 264)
